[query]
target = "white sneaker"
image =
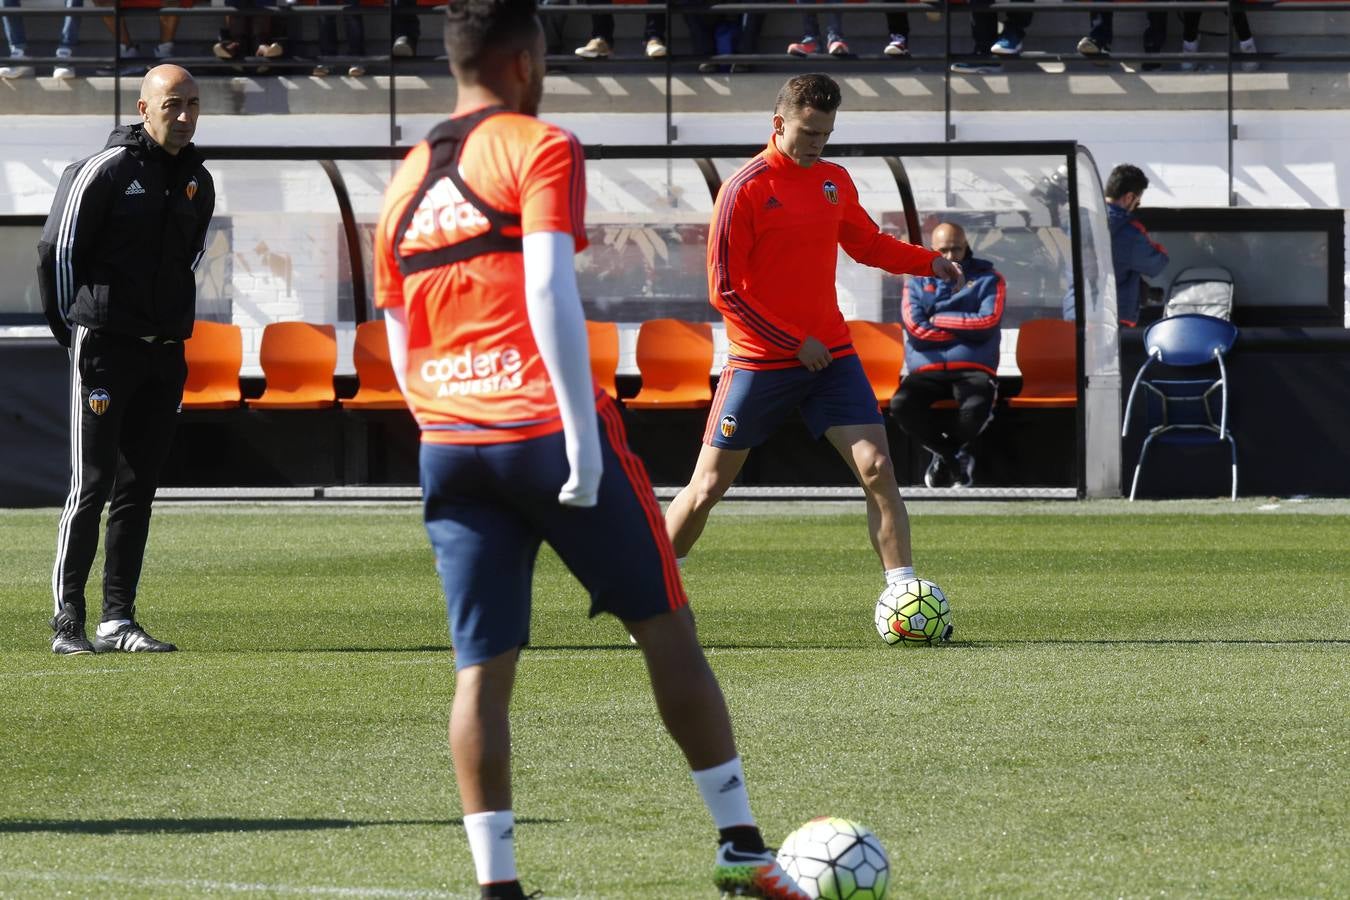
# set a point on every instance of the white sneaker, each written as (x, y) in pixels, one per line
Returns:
(131, 51)
(356, 71)
(1190, 47)
(1248, 46)
(595, 48)
(402, 46)
(899, 46)
(320, 71)
(12, 71)
(63, 72)
(656, 48)
(164, 50)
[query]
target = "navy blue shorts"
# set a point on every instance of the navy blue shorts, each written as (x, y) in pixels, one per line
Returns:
(488, 507)
(750, 404)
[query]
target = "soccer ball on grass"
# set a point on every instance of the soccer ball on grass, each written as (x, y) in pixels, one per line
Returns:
(913, 612)
(835, 859)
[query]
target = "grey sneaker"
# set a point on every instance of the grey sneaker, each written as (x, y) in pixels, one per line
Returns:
(1089, 47)
(69, 639)
(130, 638)
(977, 67)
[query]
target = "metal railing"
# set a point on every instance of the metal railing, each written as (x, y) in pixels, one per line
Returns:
(673, 63)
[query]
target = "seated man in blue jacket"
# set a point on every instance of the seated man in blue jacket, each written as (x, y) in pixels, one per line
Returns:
(1134, 255)
(952, 347)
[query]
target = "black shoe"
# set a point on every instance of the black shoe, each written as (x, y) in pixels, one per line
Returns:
(964, 470)
(69, 639)
(510, 890)
(937, 474)
(130, 638)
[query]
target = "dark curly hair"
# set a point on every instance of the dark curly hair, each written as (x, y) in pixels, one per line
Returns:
(475, 29)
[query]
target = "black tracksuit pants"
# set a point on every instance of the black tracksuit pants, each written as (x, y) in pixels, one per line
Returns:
(974, 391)
(124, 397)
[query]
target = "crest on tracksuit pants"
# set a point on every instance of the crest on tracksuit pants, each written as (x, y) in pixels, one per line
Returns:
(99, 399)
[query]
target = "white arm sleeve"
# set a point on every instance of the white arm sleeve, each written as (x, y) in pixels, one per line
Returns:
(559, 326)
(396, 330)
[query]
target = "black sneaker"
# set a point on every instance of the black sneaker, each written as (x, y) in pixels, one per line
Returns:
(964, 470)
(69, 639)
(130, 638)
(510, 890)
(937, 475)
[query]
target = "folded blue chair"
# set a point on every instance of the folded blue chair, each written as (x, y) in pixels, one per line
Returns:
(1185, 411)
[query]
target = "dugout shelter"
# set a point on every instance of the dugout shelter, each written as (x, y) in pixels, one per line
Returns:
(294, 224)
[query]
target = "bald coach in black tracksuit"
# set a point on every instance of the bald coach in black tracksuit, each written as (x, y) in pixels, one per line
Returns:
(116, 261)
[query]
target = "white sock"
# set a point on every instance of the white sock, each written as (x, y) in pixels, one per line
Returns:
(723, 791)
(492, 842)
(899, 574)
(680, 561)
(107, 628)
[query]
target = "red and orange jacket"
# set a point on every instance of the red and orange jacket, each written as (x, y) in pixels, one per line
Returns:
(772, 251)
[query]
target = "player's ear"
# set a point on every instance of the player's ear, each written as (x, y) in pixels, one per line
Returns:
(524, 65)
(777, 124)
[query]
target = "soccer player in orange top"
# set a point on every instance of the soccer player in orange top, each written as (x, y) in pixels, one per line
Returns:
(474, 271)
(777, 226)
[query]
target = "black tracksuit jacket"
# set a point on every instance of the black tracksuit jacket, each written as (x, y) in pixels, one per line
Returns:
(126, 228)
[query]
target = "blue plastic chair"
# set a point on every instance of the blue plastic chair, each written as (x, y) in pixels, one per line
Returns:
(1183, 411)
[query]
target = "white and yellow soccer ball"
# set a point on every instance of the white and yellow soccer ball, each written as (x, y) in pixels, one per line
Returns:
(836, 859)
(913, 612)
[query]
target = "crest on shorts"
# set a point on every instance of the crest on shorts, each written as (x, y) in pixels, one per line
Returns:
(727, 426)
(831, 191)
(99, 400)
(191, 189)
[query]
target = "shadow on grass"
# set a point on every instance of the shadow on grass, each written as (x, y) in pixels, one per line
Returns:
(959, 644)
(212, 825)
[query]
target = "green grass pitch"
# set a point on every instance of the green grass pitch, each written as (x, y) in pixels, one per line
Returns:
(1142, 701)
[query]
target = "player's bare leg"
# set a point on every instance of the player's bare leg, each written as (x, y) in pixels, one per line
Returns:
(687, 694)
(865, 449)
(480, 733)
(688, 513)
(695, 714)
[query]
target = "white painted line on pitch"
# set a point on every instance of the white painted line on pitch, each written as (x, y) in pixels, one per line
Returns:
(236, 887)
(46, 673)
(203, 884)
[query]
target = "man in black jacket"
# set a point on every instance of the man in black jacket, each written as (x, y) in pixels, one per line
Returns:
(116, 262)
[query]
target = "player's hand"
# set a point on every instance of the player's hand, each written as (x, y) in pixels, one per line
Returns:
(581, 489)
(949, 272)
(814, 355)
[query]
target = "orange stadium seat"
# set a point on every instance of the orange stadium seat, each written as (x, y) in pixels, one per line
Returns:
(377, 386)
(298, 361)
(675, 360)
(881, 350)
(1047, 356)
(603, 338)
(214, 354)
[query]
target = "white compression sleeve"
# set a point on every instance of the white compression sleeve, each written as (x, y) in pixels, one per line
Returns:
(559, 326)
(396, 330)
